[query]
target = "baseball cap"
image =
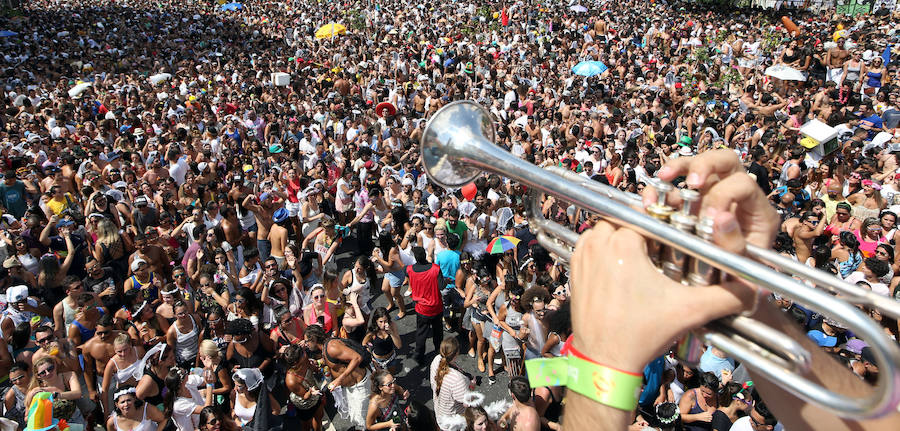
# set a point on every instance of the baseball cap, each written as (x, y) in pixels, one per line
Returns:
(16, 293)
(136, 263)
(370, 165)
(855, 346)
(868, 355)
(822, 339)
(64, 222)
(280, 215)
(140, 201)
(11, 262)
(202, 166)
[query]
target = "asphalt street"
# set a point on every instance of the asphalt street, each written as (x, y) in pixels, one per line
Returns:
(414, 376)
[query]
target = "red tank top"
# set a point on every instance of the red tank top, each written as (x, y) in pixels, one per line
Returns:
(425, 290)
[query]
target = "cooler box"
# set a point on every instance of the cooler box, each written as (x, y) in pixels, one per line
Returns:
(281, 79)
(819, 138)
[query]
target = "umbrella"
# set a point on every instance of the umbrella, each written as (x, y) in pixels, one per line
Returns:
(578, 8)
(330, 30)
(785, 73)
(589, 68)
(232, 6)
(8, 33)
(502, 244)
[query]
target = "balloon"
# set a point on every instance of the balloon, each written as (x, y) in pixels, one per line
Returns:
(790, 26)
(469, 191)
(496, 15)
(840, 26)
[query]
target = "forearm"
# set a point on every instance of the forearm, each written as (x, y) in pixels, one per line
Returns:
(796, 414)
(583, 414)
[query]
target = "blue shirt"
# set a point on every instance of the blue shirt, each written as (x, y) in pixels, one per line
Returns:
(448, 260)
(710, 363)
(653, 374)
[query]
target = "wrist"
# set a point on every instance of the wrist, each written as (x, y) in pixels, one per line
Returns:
(595, 353)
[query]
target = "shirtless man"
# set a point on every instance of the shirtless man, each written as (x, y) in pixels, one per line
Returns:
(64, 311)
(521, 416)
(55, 177)
(97, 352)
(834, 61)
(231, 226)
(419, 104)
(263, 208)
(278, 235)
(50, 345)
(154, 255)
(155, 171)
(346, 366)
(810, 227)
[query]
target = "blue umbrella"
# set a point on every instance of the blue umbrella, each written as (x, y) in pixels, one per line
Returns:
(8, 33)
(589, 68)
(232, 6)
(578, 9)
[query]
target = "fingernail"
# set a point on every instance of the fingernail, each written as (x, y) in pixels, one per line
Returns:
(664, 172)
(693, 180)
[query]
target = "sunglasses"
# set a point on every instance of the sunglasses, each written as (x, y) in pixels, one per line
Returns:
(46, 371)
(102, 333)
(44, 340)
(318, 296)
(15, 380)
(390, 383)
(179, 275)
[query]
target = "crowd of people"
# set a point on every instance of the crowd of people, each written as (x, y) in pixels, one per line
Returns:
(202, 204)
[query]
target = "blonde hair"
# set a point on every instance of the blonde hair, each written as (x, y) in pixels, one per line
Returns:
(209, 348)
(449, 349)
(35, 383)
(122, 340)
(107, 232)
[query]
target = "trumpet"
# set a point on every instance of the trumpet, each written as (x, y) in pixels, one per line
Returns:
(458, 146)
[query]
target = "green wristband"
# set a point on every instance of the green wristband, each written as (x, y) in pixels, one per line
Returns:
(602, 384)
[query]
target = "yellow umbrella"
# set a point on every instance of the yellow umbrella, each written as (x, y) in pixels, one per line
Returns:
(330, 30)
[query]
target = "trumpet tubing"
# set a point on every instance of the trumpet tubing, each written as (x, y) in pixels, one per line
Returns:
(457, 146)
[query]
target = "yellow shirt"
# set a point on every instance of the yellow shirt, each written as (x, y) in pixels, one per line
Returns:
(59, 205)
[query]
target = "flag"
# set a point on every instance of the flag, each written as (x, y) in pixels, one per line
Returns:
(886, 55)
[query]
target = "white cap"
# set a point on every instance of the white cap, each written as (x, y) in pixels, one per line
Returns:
(136, 263)
(16, 294)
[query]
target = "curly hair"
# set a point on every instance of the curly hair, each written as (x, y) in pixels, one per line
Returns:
(532, 295)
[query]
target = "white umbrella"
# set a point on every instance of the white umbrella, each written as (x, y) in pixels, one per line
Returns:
(785, 73)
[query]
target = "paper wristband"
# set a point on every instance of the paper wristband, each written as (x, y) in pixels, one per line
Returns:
(605, 385)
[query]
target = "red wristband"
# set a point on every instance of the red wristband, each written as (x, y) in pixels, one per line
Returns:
(569, 349)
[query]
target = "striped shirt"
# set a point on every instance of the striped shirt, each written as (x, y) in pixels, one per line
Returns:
(453, 388)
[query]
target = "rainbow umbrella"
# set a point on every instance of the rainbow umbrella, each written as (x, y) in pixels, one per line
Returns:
(502, 244)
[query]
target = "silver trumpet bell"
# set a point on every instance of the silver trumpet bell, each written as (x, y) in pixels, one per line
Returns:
(457, 146)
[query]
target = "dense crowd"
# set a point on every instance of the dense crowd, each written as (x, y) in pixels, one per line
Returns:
(200, 206)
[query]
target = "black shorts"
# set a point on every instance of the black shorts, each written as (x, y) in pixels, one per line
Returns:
(308, 414)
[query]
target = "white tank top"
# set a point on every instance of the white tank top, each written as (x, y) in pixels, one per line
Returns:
(244, 414)
(308, 227)
(187, 344)
(145, 425)
(127, 373)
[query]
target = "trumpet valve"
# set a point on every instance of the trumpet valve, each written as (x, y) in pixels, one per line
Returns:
(701, 273)
(674, 262)
(660, 210)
